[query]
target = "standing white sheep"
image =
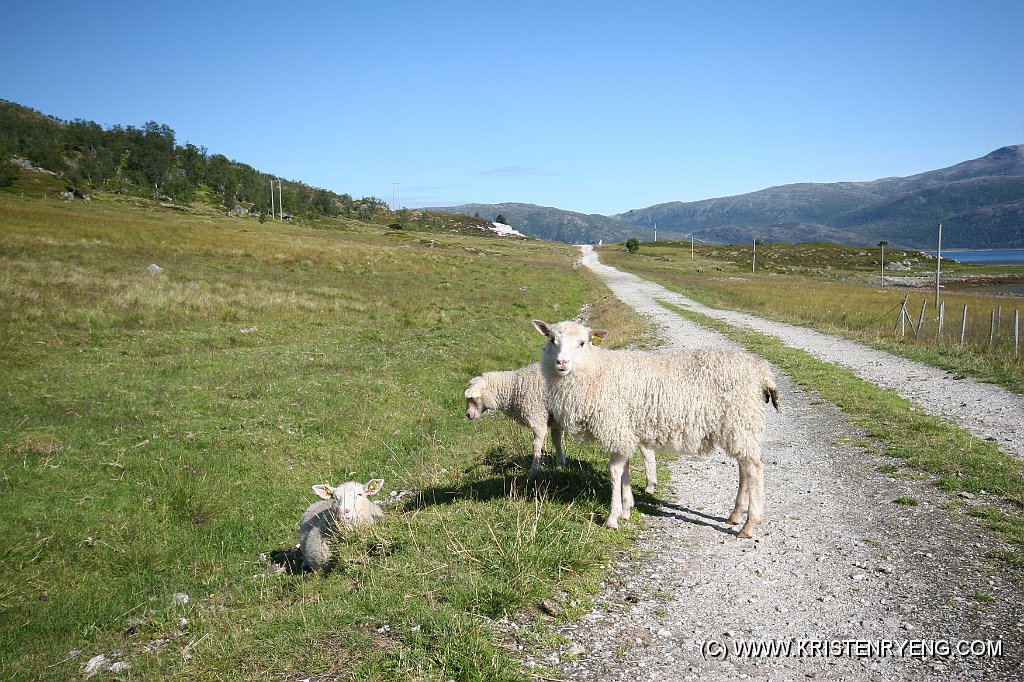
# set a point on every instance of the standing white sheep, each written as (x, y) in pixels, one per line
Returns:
(521, 395)
(344, 506)
(682, 402)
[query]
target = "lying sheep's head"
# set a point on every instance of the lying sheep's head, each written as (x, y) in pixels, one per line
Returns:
(476, 404)
(351, 498)
(567, 342)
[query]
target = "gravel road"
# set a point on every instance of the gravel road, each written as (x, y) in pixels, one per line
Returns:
(861, 588)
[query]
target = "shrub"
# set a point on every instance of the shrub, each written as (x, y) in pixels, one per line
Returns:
(632, 245)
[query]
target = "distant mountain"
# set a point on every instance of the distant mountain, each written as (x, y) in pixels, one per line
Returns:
(979, 202)
(554, 223)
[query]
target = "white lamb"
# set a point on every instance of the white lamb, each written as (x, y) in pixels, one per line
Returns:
(521, 395)
(343, 507)
(683, 402)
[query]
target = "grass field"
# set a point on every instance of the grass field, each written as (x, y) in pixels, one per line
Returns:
(160, 434)
(835, 289)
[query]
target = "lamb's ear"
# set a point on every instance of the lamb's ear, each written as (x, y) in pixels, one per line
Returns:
(324, 491)
(542, 327)
(597, 336)
(373, 486)
(476, 386)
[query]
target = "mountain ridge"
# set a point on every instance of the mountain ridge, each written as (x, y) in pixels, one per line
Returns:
(980, 201)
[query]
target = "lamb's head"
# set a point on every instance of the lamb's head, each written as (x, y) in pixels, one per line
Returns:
(476, 398)
(352, 499)
(568, 344)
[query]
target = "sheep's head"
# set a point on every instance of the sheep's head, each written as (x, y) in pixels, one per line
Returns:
(351, 498)
(568, 342)
(475, 406)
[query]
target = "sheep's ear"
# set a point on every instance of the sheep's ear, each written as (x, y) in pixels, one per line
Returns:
(542, 327)
(373, 487)
(597, 336)
(476, 386)
(324, 491)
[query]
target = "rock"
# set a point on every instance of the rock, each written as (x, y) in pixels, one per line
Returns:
(154, 269)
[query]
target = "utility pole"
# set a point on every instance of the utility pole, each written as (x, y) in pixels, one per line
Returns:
(691, 246)
(394, 204)
(655, 231)
(280, 199)
(938, 266)
(272, 216)
(753, 262)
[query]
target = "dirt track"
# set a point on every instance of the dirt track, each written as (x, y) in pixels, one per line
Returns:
(865, 589)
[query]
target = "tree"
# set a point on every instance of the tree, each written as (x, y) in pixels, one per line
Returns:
(501, 219)
(632, 245)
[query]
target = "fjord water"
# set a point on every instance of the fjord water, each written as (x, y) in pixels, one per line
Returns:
(995, 256)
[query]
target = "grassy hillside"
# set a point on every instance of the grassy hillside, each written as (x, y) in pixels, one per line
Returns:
(160, 434)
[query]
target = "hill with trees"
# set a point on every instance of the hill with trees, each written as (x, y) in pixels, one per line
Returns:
(148, 161)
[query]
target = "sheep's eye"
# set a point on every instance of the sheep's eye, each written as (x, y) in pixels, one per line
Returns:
(582, 343)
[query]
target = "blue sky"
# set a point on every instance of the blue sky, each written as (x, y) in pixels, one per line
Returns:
(598, 107)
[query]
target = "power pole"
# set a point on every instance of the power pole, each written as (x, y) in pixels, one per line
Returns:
(655, 231)
(280, 199)
(394, 205)
(272, 216)
(753, 262)
(691, 246)
(938, 266)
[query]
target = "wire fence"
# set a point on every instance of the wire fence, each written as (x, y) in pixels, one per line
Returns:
(996, 328)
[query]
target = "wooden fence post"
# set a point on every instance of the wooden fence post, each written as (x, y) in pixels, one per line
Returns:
(901, 318)
(1016, 332)
(920, 321)
(992, 328)
(963, 326)
(942, 319)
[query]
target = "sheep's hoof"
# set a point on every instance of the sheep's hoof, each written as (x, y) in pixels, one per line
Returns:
(612, 524)
(748, 530)
(649, 489)
(734, 519)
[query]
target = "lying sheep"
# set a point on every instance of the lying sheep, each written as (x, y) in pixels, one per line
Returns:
(683, 402)
(521, 395)
(344, 506)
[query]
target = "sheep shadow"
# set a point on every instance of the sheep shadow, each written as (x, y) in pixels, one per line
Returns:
(505, 473)
(686, 514)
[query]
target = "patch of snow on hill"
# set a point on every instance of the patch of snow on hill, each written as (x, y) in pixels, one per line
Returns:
(506, 231)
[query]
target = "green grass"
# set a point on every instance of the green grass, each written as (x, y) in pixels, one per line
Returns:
(956, 460)
(160, 433)
(832, 288)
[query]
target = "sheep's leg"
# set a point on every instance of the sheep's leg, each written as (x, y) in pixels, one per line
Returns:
(556, 438)
(538, 446)
(616, 466)
(742, 496)
(651, 467)
(627, 493)
(755, 487)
